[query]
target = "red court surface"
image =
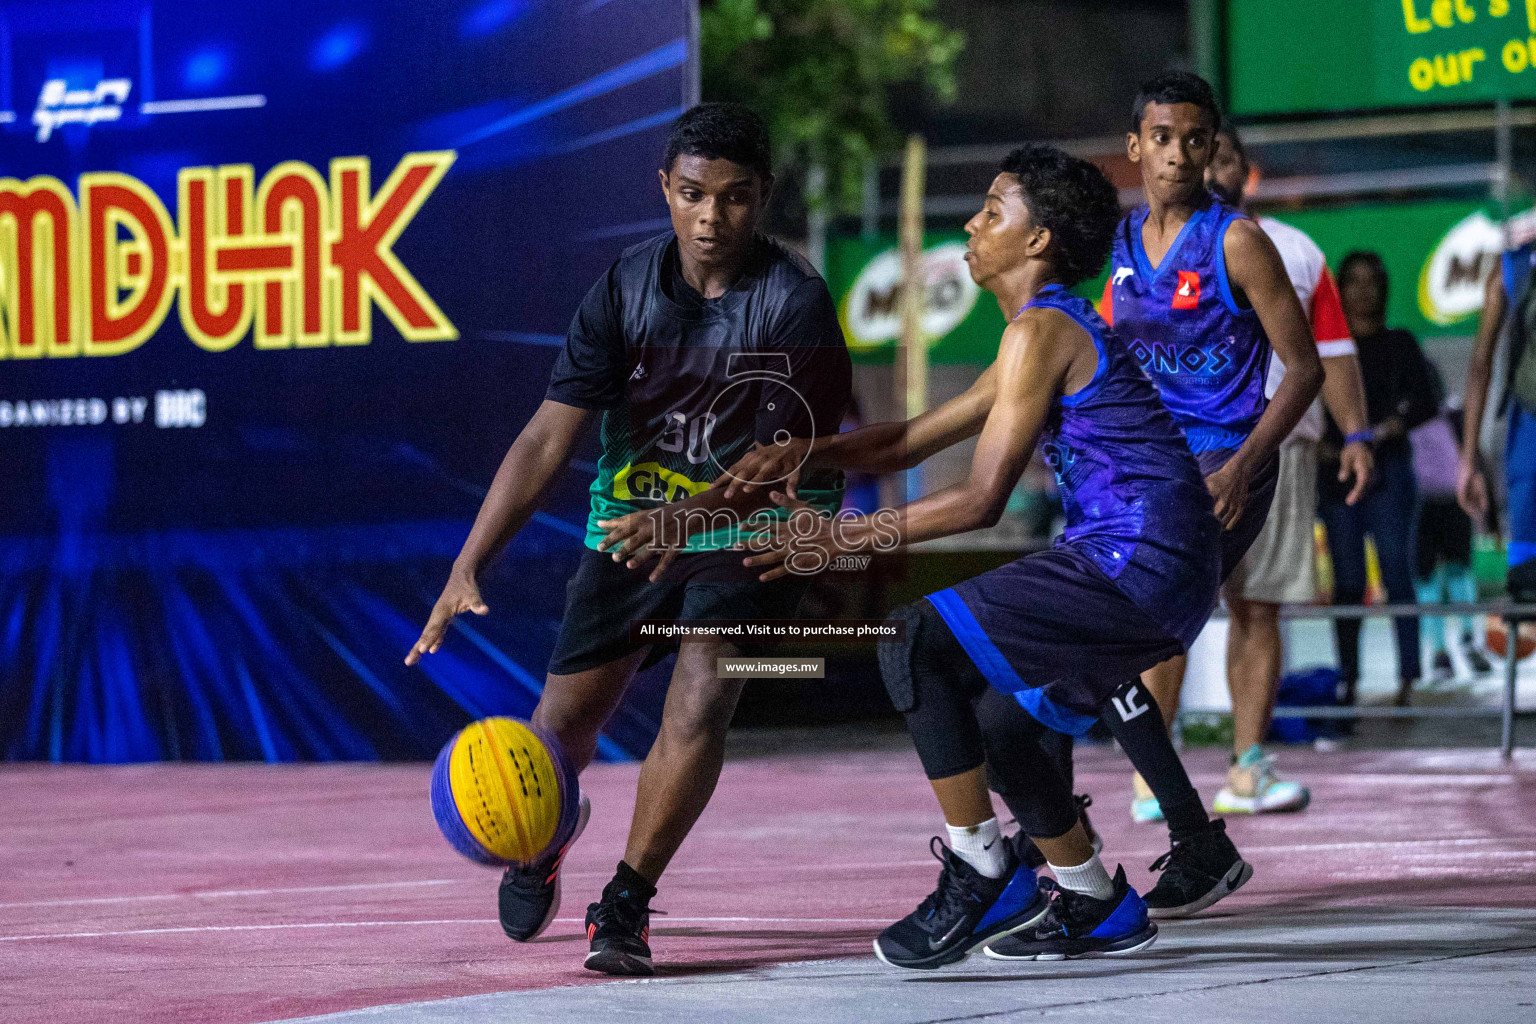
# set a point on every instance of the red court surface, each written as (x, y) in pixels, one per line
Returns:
(246, 893)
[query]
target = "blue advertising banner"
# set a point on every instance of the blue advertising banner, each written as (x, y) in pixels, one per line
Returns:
(279, 283)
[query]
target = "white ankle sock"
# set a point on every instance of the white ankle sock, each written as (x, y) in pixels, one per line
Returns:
(980, 846)
(1088, 878)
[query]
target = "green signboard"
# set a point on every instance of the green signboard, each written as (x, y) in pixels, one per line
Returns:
(1437, 256)
(1290, 56)
(962, 323)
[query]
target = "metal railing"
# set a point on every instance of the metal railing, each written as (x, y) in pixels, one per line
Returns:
(1513, 614)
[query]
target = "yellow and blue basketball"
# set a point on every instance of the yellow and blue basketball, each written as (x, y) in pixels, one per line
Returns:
(503, 793)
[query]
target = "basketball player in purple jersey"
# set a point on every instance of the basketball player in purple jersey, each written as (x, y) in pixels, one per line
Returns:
(1129, 584)
(1200, 295)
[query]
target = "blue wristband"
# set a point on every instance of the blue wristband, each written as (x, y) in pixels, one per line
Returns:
(1366, 436)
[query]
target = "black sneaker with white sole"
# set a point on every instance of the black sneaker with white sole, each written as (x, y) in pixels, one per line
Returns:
(1199, 870)
(529, 896)
(1077, 925)
(619, 929)
(964, 913)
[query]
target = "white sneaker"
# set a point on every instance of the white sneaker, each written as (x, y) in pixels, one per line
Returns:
(1254, 787)
(1144, 806)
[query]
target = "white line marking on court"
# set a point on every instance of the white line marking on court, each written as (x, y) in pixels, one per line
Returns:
(200, 105)
(702, 869)
(220, 894)
(1386, 844)
(751, 920)
(1412, 779)
(243, 928)
(398, 924)
(1383, 844)
(225, 893)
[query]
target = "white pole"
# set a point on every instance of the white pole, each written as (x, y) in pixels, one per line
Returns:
(912, 359)
(816, 215)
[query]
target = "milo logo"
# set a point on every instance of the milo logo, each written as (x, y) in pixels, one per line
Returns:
(1451, 282)
(871, 311)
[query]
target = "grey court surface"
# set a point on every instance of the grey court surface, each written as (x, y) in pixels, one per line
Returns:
(1355, 964)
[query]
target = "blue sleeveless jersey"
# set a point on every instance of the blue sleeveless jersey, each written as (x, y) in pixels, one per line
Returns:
(1135, 501)
(1207, 356)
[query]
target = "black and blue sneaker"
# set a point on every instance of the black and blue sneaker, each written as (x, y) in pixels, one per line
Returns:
(966, 911)
(1077, 925)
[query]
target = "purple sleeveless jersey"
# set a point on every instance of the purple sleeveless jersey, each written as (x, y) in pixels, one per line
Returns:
(1135, 501)
(1207, 355)
(1133, 577)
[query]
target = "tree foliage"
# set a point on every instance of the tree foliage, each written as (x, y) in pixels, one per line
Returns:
(819, 71)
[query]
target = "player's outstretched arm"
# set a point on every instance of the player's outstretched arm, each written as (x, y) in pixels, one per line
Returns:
(525, 474)
(1257, 272)
(662, 532)
(1043, 354)
(877, 448)
(1471, 486)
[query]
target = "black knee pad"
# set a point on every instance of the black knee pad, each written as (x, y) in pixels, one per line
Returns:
(1008, 731)
(896, 657)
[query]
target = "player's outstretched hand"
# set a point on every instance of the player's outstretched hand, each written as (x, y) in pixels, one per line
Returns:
(461, 594)
(767, 464)
(1229, 486)
(632, 539)
(802, 544)
(1356, 461)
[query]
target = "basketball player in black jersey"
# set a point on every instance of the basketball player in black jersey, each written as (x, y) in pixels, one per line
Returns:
(693, 346)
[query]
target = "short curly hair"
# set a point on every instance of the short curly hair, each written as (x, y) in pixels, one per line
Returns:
(718, 131)
(1072, 199)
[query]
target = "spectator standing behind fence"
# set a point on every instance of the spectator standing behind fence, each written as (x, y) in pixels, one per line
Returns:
(1444, 542)
(1399, 395)
(1508, 294)
(1279, 568)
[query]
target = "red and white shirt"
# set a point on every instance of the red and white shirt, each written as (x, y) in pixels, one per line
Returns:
(1319, 294)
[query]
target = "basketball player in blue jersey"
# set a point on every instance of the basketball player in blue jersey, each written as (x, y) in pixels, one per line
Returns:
(1200, 295)
(1129, 584)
